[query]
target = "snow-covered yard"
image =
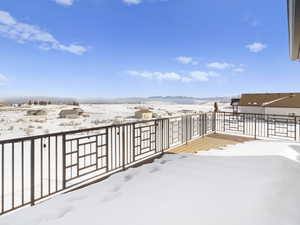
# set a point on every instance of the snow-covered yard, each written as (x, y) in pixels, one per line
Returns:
(247, 184)
(14, 122)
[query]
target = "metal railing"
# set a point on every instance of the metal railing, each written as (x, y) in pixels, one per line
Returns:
(35, 168)
(259, 125)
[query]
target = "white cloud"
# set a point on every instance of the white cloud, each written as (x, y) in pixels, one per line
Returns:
(186, 60)
(3, 79)
(239, 70)
(22, 32)
(132, 2)
(223, 66)
(189, 77)
(6, 19)
(167, 76)
(186, 79)
(156, 75)
(220, 66)
(256, 47)
(76, 49)
(65, 2)
(203, 76)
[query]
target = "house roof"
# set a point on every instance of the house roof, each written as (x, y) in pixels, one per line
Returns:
(144, 111)
(68, 112)
(280, 100)
(294, 28)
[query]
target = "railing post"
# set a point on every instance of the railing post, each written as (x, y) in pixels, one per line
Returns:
(185, 128)
(295, 127)
(189, 124)
(214, 121)
(224, 120)
(168, 133)
(255, 126)
(268, 132)
(205, 124)
(123, 147)
(162, 132)
(244, 124)
(64, 161)
(107, 147)
(199, 126)
(298, 122)
(162, 135)
(156, 136)
(32, 172)
(188, 128)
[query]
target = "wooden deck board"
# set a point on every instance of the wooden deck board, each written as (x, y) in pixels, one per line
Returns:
(213, 141)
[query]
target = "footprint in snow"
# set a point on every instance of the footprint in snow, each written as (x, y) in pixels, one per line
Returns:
(109, 197)
(154, 170)
(116, 188)
(164, 161)
(77, 198)
(128, 177)
(56, 215)
(63, 212)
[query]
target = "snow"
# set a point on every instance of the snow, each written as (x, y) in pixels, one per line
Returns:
(14, 122)
(246, 184)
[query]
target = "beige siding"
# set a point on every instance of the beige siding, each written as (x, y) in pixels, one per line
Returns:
(143, 115)
(252, 109)
(283, 111)
(269, 110)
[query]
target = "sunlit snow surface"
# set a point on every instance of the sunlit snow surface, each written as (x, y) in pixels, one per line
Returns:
(247, 184)
(14, 122)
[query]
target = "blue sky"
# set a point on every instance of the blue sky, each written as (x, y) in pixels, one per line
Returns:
(122, 48)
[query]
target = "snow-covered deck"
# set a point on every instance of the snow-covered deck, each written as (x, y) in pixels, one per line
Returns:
(251, 183)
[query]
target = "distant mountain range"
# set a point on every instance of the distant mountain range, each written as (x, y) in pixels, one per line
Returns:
(188, 100)
(165, 99)
(131, 100)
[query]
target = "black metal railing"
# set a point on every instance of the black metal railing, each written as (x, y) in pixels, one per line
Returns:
(35, 168)
(259, 125)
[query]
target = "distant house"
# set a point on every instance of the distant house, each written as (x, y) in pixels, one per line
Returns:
(79, 111)
(3, 104)
(69, 114)
(37, 112)
(271, 103)
(144, 114)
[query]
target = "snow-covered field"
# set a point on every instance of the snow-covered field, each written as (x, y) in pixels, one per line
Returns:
(15, 123)
(255, 183)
